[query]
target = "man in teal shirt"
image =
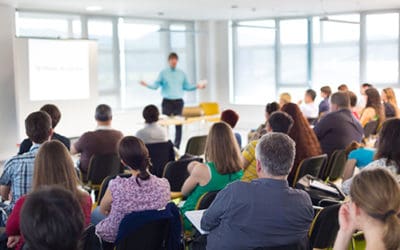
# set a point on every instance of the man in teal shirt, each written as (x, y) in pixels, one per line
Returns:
(173, 83)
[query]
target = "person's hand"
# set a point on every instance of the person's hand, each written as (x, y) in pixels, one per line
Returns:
(143, 83)
(346, 222)
(13, 241)
(201, 85)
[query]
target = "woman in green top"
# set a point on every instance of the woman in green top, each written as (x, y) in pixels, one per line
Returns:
(223, 166)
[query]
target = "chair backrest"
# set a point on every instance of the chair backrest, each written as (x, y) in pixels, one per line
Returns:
(196, 145)
(371, 128)
(349, 169)
(324, 228)
(311, 166)
(206, 199)
(89, 239)
(176, 173)
(104, 185)
(150, 236)
(101, 166)
(160, 154)
(210, 108)
(338, 164)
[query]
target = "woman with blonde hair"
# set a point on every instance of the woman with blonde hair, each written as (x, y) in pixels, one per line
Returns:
(223, 166)
(390, 103)
(285, 98)
(53, 167)
(373, 209)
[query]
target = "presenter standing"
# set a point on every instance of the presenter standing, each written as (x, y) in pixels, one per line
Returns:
(173, 83)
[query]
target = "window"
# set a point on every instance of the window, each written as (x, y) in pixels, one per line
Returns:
(293, 51)
(254, 66)
(145, 46)
(382, 52)
(29, 24)
(336, 50)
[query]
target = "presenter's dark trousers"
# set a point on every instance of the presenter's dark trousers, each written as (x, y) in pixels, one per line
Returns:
(174, 108)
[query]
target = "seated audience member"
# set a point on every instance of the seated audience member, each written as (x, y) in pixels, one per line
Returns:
(279, 122)
(343, 87)
(261, 130)
(324, 106)
(53, 166)
(374, 210)
(284, 98)
(55, 116)
(231, 118)
(104, 140)
(52, 218)
(18, 171)
(309, 108)
(387, 153)
(223, 166)
(336, 130)
(353, 104)
(265, 212)
(362, 101)
(374, 110)
(307, 144)
(361, 154)
(152, 132)
(142, 191)
(390, 103)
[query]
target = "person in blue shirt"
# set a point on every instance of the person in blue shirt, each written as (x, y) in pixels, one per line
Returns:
(173, 83)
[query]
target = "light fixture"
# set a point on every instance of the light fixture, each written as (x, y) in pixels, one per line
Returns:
(94, 8)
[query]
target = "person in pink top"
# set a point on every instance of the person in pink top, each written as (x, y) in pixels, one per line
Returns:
(142, 191)
(53, 166)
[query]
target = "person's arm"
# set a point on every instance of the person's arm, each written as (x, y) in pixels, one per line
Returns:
(322, 127)
(13, 222)
(190, 87)
(196, 171)
(347, 228)
(248, 155)
(105, 204)
(76, 148)
(156, 84)
(212, 216)
(5, 180)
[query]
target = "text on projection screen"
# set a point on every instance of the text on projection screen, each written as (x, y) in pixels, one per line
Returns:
(58, 70)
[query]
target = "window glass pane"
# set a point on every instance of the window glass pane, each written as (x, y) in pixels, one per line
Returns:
(102, 31)
(254, 63)
(178, 36)
(336, 51)
(293, 37)
(382, 48)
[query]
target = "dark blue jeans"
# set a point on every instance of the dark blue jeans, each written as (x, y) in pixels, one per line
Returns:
(173, 108)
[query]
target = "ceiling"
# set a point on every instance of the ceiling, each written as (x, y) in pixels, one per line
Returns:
(207, 9)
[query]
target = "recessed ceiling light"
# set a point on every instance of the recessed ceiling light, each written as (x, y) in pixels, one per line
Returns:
(94, 8)
(234, 6)
(160, 13)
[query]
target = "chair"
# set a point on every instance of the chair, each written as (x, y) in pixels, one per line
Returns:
(349, 169)
(311, 166)
(196, 145)
(301, 245)
(101, 166)
(210, 108)
(176, 173)
(151, 230)
(324, 228)
(205, 200)
(338, 164)
(371, 128)
(89, 239)
(160, 154)
(104, 186)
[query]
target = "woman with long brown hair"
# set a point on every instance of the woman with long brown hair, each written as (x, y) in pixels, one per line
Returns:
(390, 103)
(53, 167)
(142, 191)
(374, 209)
(373, 110)
(307, 144)
(223, 166)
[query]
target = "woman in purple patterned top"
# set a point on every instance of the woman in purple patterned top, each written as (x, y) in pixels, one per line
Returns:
(140, 192)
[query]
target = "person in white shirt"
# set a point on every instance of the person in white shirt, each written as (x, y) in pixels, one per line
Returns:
(152, 132)
(309, 107)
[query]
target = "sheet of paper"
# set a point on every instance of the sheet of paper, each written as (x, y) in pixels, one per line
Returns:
(195, 218)
(322, 186)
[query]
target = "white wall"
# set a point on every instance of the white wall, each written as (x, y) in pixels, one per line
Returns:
(8, 119)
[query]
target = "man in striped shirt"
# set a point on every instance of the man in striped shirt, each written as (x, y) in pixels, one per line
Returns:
(18, 171)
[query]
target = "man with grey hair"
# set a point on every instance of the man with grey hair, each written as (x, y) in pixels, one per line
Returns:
(265, 212)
